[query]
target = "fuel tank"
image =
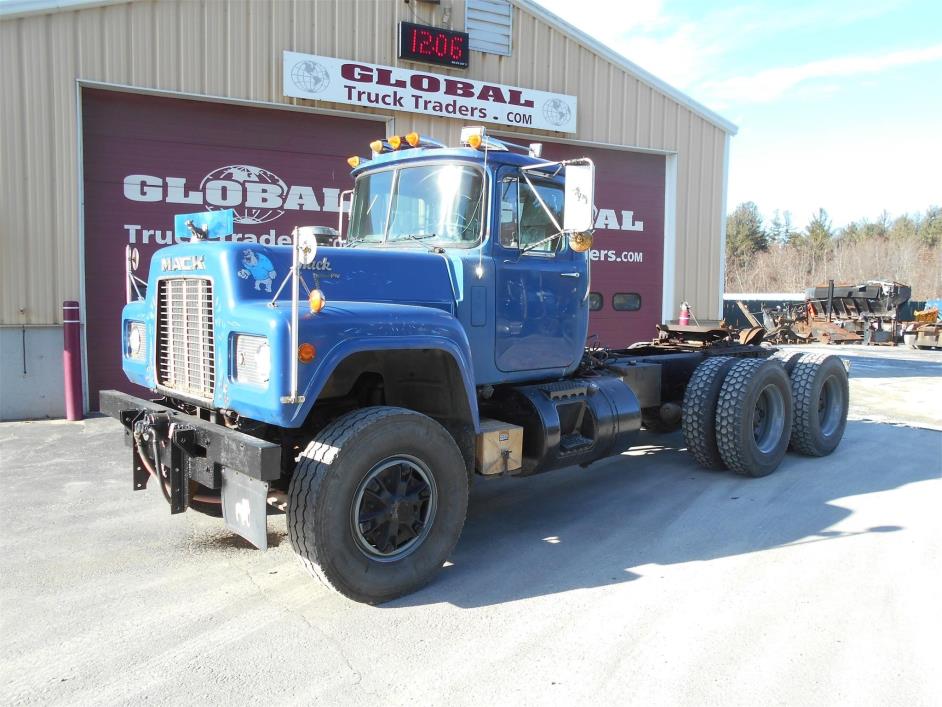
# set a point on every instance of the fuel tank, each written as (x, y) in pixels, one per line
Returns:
(567, 422)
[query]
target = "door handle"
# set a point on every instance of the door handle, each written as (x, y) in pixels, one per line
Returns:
(569, 274)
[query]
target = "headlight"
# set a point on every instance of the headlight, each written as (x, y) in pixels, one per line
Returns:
(252, 359)
(137, 339)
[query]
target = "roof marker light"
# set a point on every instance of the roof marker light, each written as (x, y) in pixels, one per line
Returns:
(395, 142)
(413, 139)
(354, 162)
(376, 146)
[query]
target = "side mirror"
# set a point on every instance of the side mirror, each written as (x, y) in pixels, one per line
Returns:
(580, 198)
(305, 240)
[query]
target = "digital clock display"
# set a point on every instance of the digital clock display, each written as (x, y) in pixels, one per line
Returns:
(433, 45)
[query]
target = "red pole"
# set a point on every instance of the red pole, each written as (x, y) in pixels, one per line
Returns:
(72, 359)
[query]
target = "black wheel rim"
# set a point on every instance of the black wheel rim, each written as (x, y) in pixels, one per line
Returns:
(768, 419)
(830, 406)
(394, 508)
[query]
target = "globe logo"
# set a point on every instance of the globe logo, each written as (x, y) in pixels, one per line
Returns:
(310, 76)
(243, 175)
(556, 112)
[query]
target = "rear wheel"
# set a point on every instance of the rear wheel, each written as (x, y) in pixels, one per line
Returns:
(377, 502)
(699, 411)
(754, 417)
(821, 395)
(788, 357)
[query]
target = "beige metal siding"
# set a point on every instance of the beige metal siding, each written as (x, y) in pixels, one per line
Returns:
(233, 50)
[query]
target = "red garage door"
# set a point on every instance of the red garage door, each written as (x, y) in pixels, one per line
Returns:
(627, 257)
(147, 158)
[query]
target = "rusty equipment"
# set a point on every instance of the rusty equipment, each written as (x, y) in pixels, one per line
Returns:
(837, 314)
(925, 331)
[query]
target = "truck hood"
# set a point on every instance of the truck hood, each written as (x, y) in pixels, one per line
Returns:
(255, 272)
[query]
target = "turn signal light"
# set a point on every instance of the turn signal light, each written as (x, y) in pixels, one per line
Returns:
(316, 300)
(394, 142)
(376, 146)
(354, 161)
(474, 140)
(413, 139)
(306, 352)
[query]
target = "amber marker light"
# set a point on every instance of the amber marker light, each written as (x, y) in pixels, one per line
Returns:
(395, 142)
(413, 139)
(317, 301)
(354, 161)
(376, 146)
(306, 352)
(474, 141)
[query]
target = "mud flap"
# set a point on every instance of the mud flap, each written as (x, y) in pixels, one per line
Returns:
(245, 506)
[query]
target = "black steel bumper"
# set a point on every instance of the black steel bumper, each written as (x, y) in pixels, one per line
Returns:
(187, 447)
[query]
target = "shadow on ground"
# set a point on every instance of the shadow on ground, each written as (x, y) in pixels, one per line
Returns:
(580, 528)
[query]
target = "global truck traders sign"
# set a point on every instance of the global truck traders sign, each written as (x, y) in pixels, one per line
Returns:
(322, 78)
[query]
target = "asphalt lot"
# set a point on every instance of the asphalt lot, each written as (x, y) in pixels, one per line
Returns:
(641, 580)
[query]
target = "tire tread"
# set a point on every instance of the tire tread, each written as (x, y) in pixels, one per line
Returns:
(309, 475)
(699, 412)
(730, 411)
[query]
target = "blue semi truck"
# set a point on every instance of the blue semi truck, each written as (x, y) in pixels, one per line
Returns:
(359, 387)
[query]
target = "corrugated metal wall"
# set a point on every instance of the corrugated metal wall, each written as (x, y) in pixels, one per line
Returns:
(233, 49)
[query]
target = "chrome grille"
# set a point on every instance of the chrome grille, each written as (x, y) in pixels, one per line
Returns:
(185, 349)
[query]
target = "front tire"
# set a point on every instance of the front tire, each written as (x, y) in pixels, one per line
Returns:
(377, 503)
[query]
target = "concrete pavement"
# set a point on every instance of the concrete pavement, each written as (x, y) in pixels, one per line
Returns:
(641, 580)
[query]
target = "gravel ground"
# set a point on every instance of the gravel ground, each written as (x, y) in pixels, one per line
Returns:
(640, 580)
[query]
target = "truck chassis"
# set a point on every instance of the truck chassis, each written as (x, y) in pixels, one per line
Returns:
(740, 406)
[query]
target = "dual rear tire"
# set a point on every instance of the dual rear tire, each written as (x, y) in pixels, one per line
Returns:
(744, 414)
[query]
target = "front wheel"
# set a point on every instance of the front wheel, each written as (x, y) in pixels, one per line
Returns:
(377, 502)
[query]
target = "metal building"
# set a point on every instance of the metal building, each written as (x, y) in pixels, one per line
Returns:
(119, 113)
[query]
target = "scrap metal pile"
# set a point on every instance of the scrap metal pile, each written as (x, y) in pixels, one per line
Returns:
(865, 313)
(925, 332)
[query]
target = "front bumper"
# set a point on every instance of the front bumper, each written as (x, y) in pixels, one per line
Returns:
(184, 448)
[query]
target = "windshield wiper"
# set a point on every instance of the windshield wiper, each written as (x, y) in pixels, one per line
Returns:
(415, 237)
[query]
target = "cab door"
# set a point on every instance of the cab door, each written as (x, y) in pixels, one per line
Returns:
(542, 310)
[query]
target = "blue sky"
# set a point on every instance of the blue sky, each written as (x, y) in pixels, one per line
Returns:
(838, 103)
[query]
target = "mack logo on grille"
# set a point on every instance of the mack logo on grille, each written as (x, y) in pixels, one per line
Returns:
(183, 262)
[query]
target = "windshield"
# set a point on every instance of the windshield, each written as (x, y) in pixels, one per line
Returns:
(434, 204)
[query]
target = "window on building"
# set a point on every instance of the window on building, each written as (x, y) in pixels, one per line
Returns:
(626, 302)
(595, 301)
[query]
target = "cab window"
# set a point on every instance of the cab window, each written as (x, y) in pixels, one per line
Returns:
(523, 220)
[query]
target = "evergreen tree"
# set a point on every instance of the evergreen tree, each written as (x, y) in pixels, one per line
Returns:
(818, 233)
(744, 233)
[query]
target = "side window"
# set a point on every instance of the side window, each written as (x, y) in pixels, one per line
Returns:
(626, 302)
(523, 220)
(508, 212)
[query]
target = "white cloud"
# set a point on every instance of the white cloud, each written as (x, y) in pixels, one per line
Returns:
(668, 46)
(772, 84)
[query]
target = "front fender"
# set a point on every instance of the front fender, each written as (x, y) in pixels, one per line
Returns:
(353, 327)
